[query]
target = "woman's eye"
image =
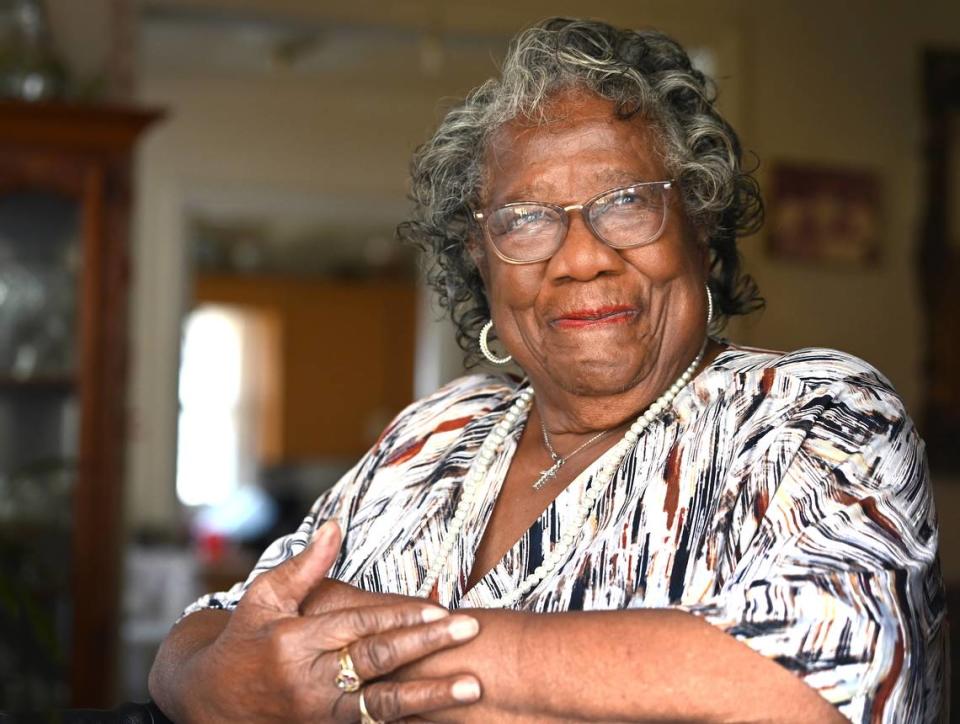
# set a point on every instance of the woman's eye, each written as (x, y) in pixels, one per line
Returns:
(524, 220)
(633, 202)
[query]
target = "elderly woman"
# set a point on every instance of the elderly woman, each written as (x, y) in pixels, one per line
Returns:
(651, 524)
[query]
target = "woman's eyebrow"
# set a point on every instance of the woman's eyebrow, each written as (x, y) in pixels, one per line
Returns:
(619, 177)
(610, 178)
(526, 193)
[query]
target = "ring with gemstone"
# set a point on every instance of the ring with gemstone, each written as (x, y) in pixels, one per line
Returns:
(347, 678)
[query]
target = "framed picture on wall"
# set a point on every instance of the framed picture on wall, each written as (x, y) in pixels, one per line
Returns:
(823, 214)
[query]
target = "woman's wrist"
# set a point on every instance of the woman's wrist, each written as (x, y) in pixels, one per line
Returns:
(180, 664)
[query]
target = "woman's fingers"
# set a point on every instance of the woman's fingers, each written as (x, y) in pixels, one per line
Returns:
(284, 588)
(390, 701)
(379, 640)
(332, 631)
(380, 654)
(333, 595)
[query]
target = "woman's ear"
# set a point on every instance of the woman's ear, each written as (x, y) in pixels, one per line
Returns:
(475, 250)
(706, 257)
(701, 245)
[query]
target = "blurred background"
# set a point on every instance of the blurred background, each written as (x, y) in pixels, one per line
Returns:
(205, 317)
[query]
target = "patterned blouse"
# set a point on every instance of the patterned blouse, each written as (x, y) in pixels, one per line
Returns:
(782, 497)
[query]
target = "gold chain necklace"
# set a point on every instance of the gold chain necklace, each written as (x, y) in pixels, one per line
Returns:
(558, 460)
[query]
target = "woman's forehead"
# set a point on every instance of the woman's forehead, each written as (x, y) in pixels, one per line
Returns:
(588, 144)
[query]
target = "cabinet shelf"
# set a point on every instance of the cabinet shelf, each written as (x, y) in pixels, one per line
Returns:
(40, 383)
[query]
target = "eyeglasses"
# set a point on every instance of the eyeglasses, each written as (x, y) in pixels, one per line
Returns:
(525, 232)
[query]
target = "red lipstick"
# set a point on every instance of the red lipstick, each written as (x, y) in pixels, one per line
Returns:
(578, 318)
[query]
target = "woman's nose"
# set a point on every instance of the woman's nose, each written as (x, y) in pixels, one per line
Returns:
(582, 255)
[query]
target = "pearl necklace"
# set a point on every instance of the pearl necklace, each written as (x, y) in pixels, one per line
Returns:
(488, 453)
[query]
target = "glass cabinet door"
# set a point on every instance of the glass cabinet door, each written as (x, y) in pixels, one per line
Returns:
(40, 259)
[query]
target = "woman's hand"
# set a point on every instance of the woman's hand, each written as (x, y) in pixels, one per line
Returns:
(272, 663)
(333, 595)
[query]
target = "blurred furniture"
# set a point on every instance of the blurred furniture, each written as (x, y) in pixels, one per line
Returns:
(64, 215)
(127, 713)
(938, 266)
(939, 262)
(159, 579)
(344, 351)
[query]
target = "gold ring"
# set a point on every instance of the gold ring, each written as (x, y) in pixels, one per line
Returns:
(365, 717)
(347, 678)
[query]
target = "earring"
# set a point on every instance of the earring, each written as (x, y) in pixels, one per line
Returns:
(485, 347)
(709, 306)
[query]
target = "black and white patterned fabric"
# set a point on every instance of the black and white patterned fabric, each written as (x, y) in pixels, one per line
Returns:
(782, 497)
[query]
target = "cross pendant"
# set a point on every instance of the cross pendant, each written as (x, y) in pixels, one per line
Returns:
(547, 475)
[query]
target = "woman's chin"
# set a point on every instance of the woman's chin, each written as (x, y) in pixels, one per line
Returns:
(594, 376)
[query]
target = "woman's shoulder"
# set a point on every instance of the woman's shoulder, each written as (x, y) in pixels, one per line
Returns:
(460, 399)
(824, 393)
(810, 366)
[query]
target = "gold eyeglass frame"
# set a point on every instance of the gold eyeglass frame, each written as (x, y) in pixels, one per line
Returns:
(564, 212)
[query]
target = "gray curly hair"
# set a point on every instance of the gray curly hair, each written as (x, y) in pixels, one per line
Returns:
(646, 75)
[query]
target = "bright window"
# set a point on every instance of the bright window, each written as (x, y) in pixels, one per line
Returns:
(218, 405)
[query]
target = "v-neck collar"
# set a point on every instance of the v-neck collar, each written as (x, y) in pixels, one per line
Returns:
(510, 570)
(525, 554)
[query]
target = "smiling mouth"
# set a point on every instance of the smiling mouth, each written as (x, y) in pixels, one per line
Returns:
(595, 317)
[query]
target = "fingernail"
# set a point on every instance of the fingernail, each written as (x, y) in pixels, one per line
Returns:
(466, 690)
(433, 614)
(323, 533)
(463, 627)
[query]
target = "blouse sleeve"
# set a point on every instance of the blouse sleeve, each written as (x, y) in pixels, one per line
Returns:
(837, 577)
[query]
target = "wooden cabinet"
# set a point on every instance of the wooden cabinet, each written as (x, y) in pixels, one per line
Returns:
(64, 218)
(342, 361)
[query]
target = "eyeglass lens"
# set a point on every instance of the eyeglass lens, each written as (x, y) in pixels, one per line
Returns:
(624, 217)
